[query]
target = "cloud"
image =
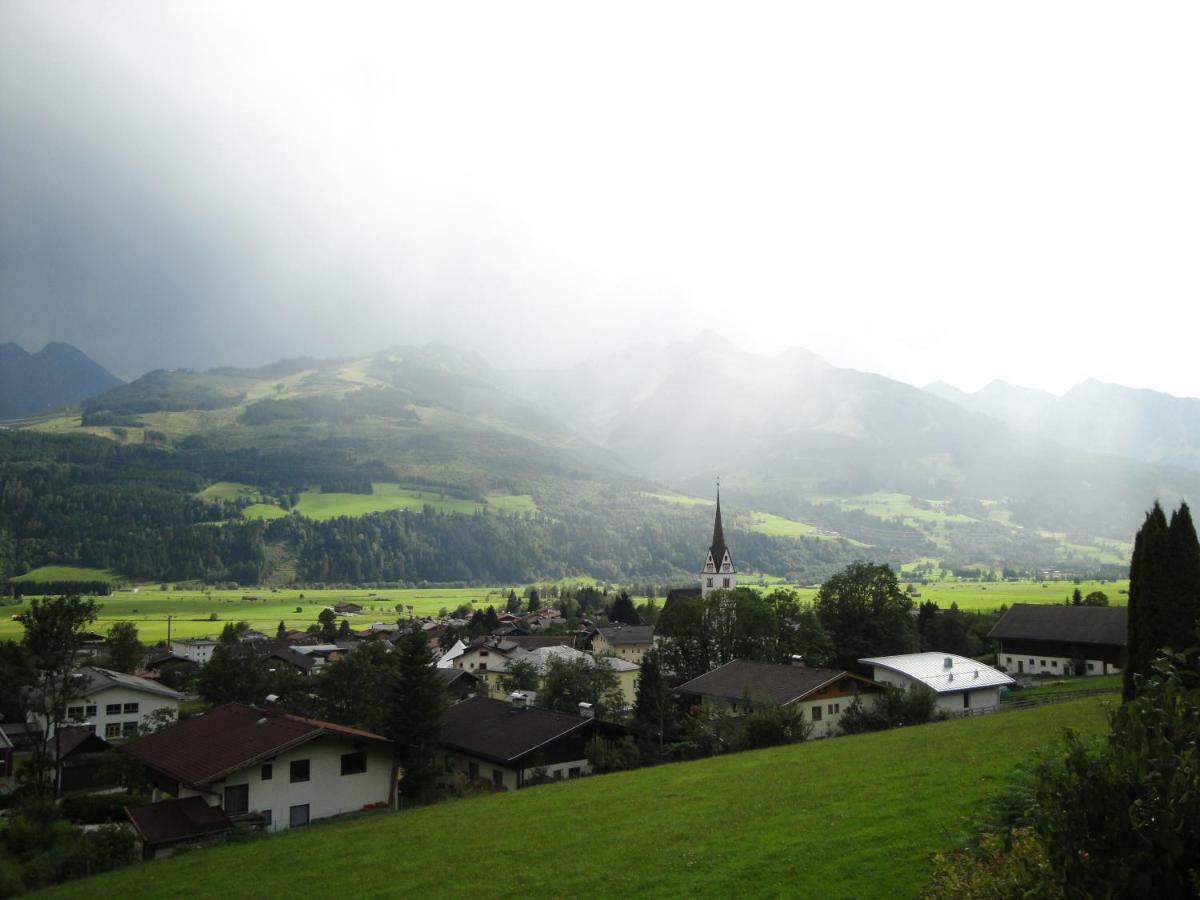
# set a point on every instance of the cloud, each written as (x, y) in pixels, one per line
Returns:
(930, 191)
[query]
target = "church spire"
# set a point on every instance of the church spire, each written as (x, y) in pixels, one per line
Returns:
(719, 572)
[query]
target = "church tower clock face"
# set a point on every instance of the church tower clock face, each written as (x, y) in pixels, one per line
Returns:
(719, 572)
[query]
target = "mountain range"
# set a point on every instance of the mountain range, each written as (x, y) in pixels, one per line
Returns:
(57, 375)
(803, 448)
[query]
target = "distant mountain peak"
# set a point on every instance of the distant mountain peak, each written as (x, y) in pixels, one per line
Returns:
(59, 374)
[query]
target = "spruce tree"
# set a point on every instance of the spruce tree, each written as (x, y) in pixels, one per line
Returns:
(414, 723)
(1185, 577)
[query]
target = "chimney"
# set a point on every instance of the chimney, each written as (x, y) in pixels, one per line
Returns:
(949, 663)
(585, 710)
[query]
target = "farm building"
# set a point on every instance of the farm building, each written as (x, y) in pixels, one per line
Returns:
(163, 827)
(963, 686)
(1061, 640)
(507, 742)
(823, 694)
(285, 769)
(198, 650)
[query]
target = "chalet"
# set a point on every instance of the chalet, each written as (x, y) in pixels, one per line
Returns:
(289, 657)
(346, 608)
(198, 650)
(84, 763)
(823, 694)
(162, 828)
(458, 684)
(629, 642)
(1061, 640)
(963, 686)
(169, 668)
(509, 744)
(542, 657)
(285, 769)
(114, 704)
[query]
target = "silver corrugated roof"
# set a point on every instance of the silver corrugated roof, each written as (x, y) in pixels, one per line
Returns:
(962, 674)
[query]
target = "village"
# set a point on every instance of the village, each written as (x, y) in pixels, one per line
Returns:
(522, 703)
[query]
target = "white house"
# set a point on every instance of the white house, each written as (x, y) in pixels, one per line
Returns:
(285, 770)
(198, 650)
(963, 686)
(116, 705)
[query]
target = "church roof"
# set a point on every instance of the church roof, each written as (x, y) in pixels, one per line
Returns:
(719, 548)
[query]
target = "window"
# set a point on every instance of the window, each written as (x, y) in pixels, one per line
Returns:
(91, 710)
(558, 774)
(816, 714)
(710, 582)
(75, 713)
(1010, 659)
(1054, 663)
(112, 730)
(483, 653)
(237, 800)
(1043, 662)
(966, 699)
(834, 709)
(298, 815)
(574, 772)
(131, 707)
(498, 778)
(299, 772)
(354, 763)
(1091, 667)
(128, 729)
(112, 709)
(267, 771)
(483, 667)
(726, 582)
(266, 814)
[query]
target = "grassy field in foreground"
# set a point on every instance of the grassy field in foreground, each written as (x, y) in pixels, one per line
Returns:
(849, 817)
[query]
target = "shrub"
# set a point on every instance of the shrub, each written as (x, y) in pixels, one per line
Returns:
(895, 708)
(770, 726)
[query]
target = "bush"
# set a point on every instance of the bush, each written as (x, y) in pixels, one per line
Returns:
(613, 756)
(895, 708)
(1014, 865)
(770, 726)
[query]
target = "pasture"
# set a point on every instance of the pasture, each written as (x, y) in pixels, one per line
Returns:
(851, 817)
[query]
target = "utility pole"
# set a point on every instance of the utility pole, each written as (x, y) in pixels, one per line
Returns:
(169, 647)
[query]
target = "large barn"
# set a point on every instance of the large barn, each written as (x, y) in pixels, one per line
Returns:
(1061, 640)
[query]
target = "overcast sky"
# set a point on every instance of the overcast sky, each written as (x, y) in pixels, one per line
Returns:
(927, 190)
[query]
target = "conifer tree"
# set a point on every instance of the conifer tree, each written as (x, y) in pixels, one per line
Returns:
(1150, 597)
(281, 631)
(418, 703)
(1185, 574)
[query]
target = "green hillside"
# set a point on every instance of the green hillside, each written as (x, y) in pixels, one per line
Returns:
(851, 817)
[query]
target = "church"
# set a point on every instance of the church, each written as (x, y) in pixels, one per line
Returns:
(719, 572)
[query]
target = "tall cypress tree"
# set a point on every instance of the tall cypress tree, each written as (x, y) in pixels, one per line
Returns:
(1153, 623)
(1185, 577)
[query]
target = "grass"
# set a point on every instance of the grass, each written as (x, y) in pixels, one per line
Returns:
(850, 817)
(388, 496)
(1067, 686)
(973, 595)
(227, 490)
(67, 573)
(149, 608)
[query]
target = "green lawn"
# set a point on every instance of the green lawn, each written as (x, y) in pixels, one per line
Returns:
(1067, 686)
(851, 817)
(974, 595)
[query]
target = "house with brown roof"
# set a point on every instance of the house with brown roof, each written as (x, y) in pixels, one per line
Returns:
(164, 827)
(823, 695)
(508, 743)
(285, 769)
(629, 642)
(1047, 639)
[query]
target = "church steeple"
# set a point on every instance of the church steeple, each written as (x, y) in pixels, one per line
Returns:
(719, 573)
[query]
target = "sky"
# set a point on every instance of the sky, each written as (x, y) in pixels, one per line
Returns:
(925, 190)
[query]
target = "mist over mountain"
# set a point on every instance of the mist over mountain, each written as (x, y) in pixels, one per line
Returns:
(1096, 417)
(57, 375)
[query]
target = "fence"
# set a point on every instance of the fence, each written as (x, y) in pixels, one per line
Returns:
(1054, 697)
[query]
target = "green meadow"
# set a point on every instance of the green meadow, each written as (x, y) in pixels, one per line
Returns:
(851, 817)
(66, 573)
(385, 496)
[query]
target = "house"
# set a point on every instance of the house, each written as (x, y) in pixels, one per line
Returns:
(509, 744)
(198, 650)
(963, 686)
(84, 763)
(626, 641)
(286, 769)
(446, 658)
(458, 684)
(114, 704)
(7, 754)
(346, 608)
(823, 694)
(288, 656)
(1061, 640)
(162, 827)
(170, 668)
(542, 657)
